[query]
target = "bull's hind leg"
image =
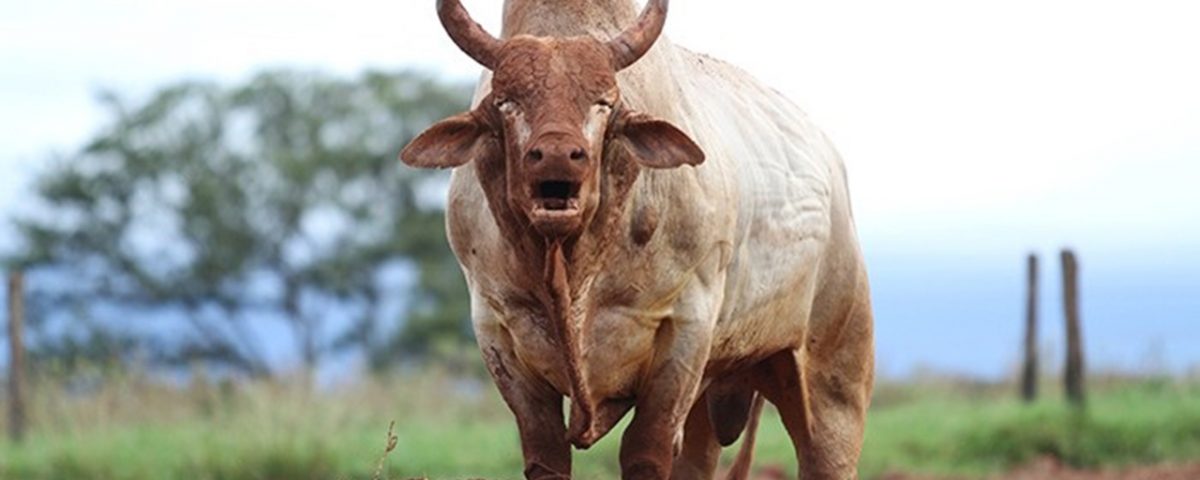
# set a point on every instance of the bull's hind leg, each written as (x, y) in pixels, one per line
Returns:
(823, 405)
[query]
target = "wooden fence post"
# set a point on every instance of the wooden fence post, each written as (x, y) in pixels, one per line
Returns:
(1029, 372)
(1073, 377)
(16, 365)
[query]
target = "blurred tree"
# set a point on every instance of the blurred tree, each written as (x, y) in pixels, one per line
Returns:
(228, 209)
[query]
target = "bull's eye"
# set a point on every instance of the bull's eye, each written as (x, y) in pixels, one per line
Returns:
(603, 102)
(507, 107)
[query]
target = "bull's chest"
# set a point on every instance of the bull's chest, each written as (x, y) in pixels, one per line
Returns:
(617, 344)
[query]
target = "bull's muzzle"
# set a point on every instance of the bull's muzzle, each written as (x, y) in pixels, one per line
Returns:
(557, 166)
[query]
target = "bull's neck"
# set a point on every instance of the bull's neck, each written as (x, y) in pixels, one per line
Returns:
(565, 18)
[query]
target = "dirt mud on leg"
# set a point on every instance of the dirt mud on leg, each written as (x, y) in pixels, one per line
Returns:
(539, 413)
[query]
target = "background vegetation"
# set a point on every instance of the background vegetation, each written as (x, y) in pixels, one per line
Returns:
(206, 217)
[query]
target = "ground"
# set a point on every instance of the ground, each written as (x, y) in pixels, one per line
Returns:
(1047, 468)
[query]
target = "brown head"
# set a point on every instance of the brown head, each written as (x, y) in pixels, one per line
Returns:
(553, 116)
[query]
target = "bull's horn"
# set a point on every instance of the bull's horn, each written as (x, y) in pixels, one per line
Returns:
(467, 34)
(637, 40)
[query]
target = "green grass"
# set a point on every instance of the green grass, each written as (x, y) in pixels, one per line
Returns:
(1130, 423)
(445, 429)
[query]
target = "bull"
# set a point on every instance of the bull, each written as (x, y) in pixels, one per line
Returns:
(643, 227)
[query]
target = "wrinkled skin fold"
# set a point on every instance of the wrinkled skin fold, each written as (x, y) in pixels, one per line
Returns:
(645, 228)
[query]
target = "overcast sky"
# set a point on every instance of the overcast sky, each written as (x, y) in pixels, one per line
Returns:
(995, 125)
(971, 128)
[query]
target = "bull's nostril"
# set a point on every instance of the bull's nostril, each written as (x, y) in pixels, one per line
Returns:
(535, 154)
(577, 154)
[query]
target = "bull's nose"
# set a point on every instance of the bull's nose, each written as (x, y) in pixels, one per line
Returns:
(557, 147)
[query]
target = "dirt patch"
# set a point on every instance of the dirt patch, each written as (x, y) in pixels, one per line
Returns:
(1052, 469)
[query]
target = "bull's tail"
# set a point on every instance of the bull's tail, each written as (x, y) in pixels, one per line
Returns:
(741, 464)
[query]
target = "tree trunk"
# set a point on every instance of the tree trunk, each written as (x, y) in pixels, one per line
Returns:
(1029, 373)
(16, 366)
(305, 331)
(1073, 377)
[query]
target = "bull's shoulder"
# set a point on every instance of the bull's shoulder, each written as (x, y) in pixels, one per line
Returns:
(469, 224)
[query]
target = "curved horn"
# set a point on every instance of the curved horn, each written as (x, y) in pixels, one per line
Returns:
(637, 40)
(468, 35)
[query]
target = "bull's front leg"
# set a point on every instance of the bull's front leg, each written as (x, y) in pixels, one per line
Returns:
(537, 406)
(668, 390)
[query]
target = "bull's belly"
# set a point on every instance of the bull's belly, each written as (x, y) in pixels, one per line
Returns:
(757, 322)
(741, 342)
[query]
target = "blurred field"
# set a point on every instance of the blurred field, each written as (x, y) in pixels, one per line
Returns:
(128, 427)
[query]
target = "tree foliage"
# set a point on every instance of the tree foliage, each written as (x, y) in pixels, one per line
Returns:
(205, 218)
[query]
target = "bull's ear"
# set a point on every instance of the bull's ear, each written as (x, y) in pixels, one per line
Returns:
(656, 143)
(449, 143)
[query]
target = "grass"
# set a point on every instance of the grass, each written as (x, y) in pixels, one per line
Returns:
(133, 429)
(1123, 424)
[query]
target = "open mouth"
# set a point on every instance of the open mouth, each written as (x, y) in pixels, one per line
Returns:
(556, 197)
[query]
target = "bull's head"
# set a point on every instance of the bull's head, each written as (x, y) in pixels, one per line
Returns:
(553, 115)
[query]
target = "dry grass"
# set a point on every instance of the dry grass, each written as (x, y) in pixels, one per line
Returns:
(392, 439)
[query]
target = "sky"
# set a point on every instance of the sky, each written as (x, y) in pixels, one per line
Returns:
(974, 132)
